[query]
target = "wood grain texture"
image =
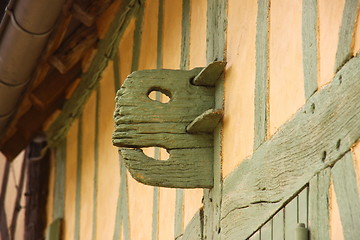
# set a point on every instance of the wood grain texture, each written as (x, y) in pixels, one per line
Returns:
(194, 230)
(301, 148)
(106, 46)
(310, 44)
(319, 188)
(345, 43)
(206, 122)
(345, 184)
(262, 73)
(78, 179)
(210, 74)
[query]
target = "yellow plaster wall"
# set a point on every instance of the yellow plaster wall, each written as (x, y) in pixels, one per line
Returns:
(87, 168)
(70, 182)
(286, 93)
(238, 122)
(336, 231)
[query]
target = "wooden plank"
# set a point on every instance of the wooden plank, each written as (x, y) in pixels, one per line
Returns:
(319, 205)
(302, 147)
(194, 230)
(53, 232)
(210, 74)
(78, 180)
(4, 233)
(96, 164)
(73, 49)
(206, 122)
(278, 226)
(345, 43)
(179, 213)
(262, 74)
(106, 46)
(87, 13)
(347, 195)
(155, 219)
(310, 44)
(266, 231)
(303, 206)
(256, 236)
(291, 210)
(59, 186)
(137, 38)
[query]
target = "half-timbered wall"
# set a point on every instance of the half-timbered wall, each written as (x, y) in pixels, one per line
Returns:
(278, 54)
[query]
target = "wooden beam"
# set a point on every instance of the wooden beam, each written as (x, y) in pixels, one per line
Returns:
(73, 49)
(87, 12)
(318, 135)
(4, 232)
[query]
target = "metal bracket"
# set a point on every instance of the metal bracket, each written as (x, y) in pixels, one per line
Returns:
(183, 125)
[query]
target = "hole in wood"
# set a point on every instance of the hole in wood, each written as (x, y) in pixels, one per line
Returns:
(159, 94)
(312, 108)
(338, 143)
(157, 153)
(323, 157)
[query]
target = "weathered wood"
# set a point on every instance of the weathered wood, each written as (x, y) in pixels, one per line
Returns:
(87, 13)
(179, 213)
(73, 49)
(345, 43)
(59, 183)
(347, 195)
(78, 179)
(319, 205)
(194, 229)
(53, 232)
(262, 73)
(291, 210)
(266, 231)
(303, 206)
(36, 200)
(54, 87)
(310, 31)
(206, 122)
(106, 46)
(19, 194)
(278, 226)
(178, 171)
(256, 236)
(4, 233)
(210, 74)
(301, 148)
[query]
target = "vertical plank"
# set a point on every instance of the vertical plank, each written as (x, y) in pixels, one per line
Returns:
(256, 236)
(96, 165)
(278, 226)
(291, 217)
(215, 50)
(319, 205)
(179, 213)
(310, 45)
(345, 185)
(266, 231)
(78, 179)
(262, 73)
(3, 218)
(59, 186)
(302, 199)
(345, 43)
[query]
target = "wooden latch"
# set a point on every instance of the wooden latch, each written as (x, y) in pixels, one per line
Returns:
(183, 126)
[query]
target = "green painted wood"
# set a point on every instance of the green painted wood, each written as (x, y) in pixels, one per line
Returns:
(301, 232)
(347, 195)
(206, 122)
(106, 48)
(319, 205)
(185, 35)
(303, 206)
(78, 180)
(119, 211)
(194, 229)
(59, 183)
(96, 163)
(159, 58)
(179, 213)
(266, 231)
(137, 36)
(210, 74)
(177, 171)
(155, 216)
(302, 147)
(53, 232)
(125, 203)
(278, 226)
(345, 43)
(310, 45)
(256, 236)
(262, 74)
(291, 210)
(215, 51)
